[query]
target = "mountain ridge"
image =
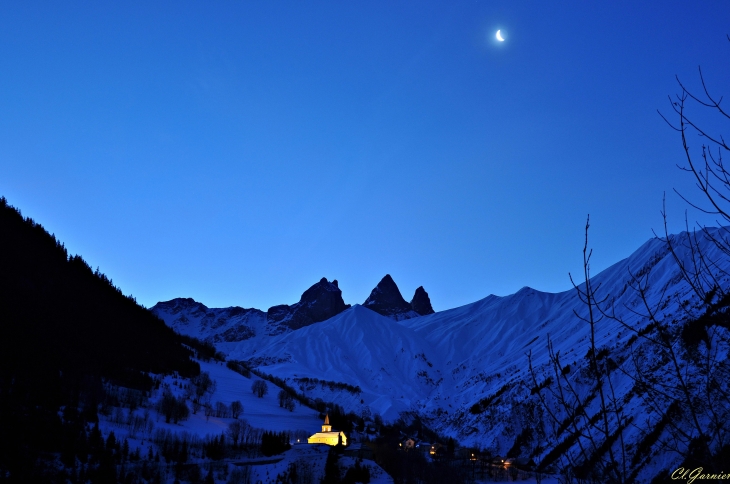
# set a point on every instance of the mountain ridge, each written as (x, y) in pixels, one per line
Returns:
(321, 301)
(465, 370)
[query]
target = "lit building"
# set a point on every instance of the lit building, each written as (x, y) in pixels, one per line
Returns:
(327, 435)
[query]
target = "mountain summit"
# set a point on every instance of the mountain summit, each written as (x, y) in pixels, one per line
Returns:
(387, 300)
(320, 302)
(421, 303)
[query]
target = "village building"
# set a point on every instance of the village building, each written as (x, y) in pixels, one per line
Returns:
(408, 444)
(437, 451)
(327, 435)
(412, 443)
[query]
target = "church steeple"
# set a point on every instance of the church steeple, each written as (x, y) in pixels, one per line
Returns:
(326, 427)
(327, 435)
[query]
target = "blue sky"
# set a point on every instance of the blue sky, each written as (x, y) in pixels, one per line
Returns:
(236, 152)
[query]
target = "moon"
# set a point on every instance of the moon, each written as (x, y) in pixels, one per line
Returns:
(499, 36)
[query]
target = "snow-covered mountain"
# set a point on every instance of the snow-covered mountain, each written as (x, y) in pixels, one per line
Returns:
(192, 318)
(465, 370)
(321, 301)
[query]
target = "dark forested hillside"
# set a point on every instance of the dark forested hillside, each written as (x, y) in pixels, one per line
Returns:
(65, 333)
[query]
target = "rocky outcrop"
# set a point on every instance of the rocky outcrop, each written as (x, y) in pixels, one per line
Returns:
(320, 302)
(187, 316)
(421, 303)
(184, 305)
(228, 325)
(387, 300)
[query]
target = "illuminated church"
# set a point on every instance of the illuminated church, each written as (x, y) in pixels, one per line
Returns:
(327, 435)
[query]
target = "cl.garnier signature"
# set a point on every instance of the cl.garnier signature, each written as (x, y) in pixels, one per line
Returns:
(690, 475)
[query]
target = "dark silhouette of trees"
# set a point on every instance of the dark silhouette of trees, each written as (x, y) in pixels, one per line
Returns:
(695, 410)
(259, 388)
(357, 473)
(236, 409)
(173, 408)
(275, 443)
(236, 430)
(332, 469)
(598, 434)
(286, 400)
(222, 410)
(239, 368)
(215, 448)
(202, 390)
(67, 335)
(678, 363)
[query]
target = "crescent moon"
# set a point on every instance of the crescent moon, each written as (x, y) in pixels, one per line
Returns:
(499, 36)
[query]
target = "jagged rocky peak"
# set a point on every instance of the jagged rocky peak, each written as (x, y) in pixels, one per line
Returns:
(421, 303)
(386, 299)
(324, 300)
(192, 318)
(174, 306)
(320, 302)
(190, 306)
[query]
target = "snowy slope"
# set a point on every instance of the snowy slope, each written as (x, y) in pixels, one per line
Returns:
(442, 365)
(262, 413)
(453, 358)
(359, 346)
(221, 326)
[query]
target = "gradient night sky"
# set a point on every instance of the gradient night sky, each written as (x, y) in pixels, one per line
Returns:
(236, 152)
